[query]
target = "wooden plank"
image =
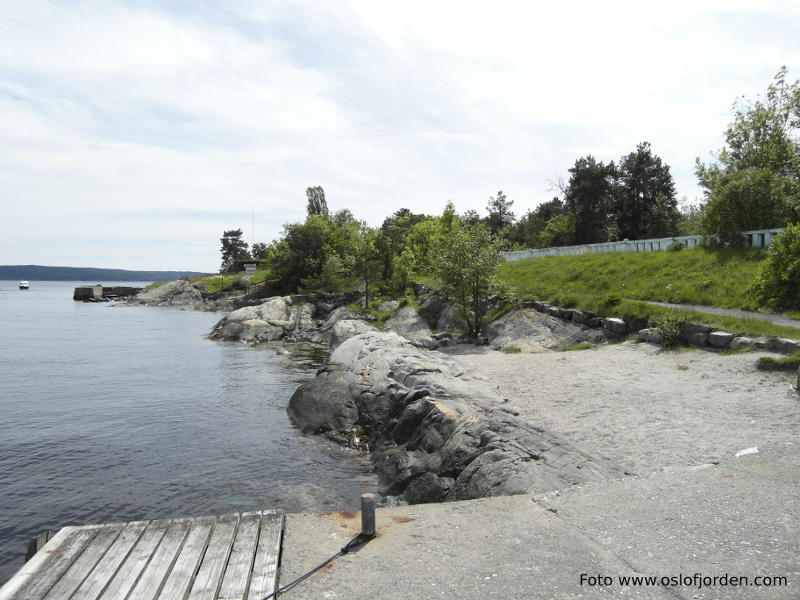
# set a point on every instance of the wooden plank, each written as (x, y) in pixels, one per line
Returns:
(104, 572)
(264, 578)
(206, 584)
(86, 562)
(180, 579)
(152, 579)
(136, 561)
(240, 562)
(59, 561)
(32, 567)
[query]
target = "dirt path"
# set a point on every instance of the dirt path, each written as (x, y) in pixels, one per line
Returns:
(728, 312)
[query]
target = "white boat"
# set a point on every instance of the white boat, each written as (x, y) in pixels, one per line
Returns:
(24, 285)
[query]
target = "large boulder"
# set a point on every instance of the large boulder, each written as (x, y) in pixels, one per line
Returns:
(409, 324)
(532, 331)
(437, 433)
(265, 322)
(174, 293)
(450, 319)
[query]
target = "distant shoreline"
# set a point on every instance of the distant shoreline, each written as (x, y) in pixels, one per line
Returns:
(47, 273)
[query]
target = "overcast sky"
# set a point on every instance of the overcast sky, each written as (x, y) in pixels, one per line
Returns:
(133, 133)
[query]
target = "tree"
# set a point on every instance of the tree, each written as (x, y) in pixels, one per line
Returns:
(233, 249)
(646, 204)
(316, 201)
(559, 231)
(525, 233)
(466, 267)
(777, 286)
(258, 250)
(755, 183)
(589, 198)
(500, 216)
(470, 217)
(368, 265)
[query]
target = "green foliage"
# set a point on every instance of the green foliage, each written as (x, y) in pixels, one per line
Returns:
(512, 350)
(317, 205)
(589, 198)
(559, 231)
(525, 233)
(465, 264)
(646, 206)
(671, 326)
(787, 363)
(756, 182)
(777, 285)
(233, 248)
(579, 346)
(675, 247)
(155, 284)
(500, 217)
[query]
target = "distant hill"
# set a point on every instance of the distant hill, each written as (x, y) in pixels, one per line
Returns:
(88, 275)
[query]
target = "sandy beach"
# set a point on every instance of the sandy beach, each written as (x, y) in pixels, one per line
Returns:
(646, 408)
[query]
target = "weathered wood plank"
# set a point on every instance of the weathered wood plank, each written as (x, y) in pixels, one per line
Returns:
(136, 561)
(264, 578)
(35, 565)
(208, 579)
(85, 563)
(152, 579)
(59, 561)
(180, 579)
(240, 562)
(107, 568)
(37, 544)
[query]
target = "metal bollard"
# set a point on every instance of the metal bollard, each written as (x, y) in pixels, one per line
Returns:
(368, 502)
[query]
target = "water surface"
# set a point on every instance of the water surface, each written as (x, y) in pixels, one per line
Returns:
(112, 413)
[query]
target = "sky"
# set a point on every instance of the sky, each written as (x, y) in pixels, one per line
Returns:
(133, 133)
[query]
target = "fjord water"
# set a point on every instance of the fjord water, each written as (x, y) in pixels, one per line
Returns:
(115, 413)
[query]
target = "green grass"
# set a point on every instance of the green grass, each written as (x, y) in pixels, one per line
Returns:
(706, 277)
(156, 284)
(512, 350)
(579, 346)
(616, 284)
(787, 363)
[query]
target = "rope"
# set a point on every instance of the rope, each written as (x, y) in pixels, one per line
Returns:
(357, 541)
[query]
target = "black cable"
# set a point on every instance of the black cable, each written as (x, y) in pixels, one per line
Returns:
(360, 539)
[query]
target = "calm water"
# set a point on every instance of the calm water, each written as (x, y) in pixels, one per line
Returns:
(120, 413)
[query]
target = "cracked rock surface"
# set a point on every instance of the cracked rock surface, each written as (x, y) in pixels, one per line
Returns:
(437, 432)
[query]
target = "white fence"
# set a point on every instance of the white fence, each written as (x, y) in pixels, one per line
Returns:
(759, 238)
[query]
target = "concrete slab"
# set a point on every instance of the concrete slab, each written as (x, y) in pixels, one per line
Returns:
(507, 547)
(740, 518)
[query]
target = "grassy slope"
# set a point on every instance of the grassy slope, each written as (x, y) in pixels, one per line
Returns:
(610, 284)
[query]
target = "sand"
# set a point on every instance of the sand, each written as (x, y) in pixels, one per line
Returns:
(645, 408)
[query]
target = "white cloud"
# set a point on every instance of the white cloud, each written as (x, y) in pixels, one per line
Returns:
(138, 122)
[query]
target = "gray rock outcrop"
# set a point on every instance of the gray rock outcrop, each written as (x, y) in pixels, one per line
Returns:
(450, 319)
(532, 331)
(174, 293)
(409, 324)
(290, 319)
(436, 433)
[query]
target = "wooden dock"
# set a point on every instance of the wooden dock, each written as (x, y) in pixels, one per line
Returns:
(230, 557)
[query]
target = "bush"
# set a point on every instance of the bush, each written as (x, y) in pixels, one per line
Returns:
(675, 247)
(671, 327)
(777, 285)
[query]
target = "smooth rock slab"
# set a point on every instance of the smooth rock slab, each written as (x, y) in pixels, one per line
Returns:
(652, 335)
(740, 342)
(720, 339)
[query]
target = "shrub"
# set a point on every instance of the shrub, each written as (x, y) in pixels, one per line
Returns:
(671, 326)
(777, 285)
(675, 247)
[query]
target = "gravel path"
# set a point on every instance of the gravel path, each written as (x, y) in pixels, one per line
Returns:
(728, 312)
(644, 408)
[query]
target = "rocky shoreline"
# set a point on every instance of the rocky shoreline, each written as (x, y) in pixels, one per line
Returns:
(436, 432)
